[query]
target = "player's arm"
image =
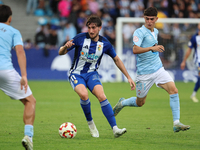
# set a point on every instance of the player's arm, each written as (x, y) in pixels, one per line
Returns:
(21, 57)
(63, 49)
(139, 50)
(121, 66)
(187, 54)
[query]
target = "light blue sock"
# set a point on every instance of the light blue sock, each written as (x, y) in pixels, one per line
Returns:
(86, 109)
(28, 130)
(108, 112)
(175, 106)
(130, 102)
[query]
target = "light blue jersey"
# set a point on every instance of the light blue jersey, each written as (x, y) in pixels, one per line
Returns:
(148, 62)
(9, 37)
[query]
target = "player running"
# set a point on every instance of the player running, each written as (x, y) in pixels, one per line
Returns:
(150, 70)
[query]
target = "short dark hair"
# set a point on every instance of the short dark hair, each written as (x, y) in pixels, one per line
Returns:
(151, 11)
(5, 13)
(94, 19)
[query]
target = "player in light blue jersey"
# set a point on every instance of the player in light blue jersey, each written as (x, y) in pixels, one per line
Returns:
(11, 83)
(194, 44)
(150, 70)
(89, 48)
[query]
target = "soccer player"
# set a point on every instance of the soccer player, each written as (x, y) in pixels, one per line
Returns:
(89, 48)
(194, 44)
(150, 69)
(11, 83)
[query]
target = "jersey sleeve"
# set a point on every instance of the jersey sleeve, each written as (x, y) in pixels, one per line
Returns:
(137, 37)
(111, 51)
(17, 38)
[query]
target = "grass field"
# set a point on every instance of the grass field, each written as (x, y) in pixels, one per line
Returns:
(148, 127)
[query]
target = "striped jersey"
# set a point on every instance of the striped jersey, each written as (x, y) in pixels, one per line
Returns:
(88, 53)
(148, 62)
(9, 37)
(194, 43)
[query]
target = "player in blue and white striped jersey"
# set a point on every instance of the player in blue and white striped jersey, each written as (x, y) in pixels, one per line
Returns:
(150, 69)
(194, 44)
(89, 48)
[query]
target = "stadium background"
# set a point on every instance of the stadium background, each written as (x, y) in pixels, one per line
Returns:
(54, 67)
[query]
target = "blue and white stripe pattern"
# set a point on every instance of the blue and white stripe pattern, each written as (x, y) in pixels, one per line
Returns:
(88, 53)
(194, 43)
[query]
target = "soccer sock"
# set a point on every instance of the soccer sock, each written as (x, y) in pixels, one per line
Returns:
(86, 109)
(91, 124)
(130, 102)
(108, 112)
(196, 87)
(175, 106)
(28, 130)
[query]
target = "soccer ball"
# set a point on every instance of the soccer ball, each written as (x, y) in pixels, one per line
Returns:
(67, 130)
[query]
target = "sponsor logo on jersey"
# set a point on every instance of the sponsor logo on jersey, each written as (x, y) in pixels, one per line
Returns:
(92, 56)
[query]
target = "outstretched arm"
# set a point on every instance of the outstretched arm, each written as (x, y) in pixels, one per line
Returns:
(187, 54)
(21, 57)
(121, 66)
(139, 50)
(63, 49)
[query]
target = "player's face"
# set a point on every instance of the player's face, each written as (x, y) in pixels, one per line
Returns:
(150, 22)
(93, 31)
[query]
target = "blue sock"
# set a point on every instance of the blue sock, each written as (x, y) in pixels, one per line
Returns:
(197, 85)
(28, 130)
(130, 102)
(86, 109)
(175, 106)
(108, 112)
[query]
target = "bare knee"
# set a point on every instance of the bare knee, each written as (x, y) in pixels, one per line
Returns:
(84, 95)
(140, 101)
(173, 90)
(101, 97)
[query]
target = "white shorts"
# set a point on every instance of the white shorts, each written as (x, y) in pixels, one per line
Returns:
(145, 82)
(10, 84)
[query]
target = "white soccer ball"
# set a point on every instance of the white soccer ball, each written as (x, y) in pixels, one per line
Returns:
(67, 130)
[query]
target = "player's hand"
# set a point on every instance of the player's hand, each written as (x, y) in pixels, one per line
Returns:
(24, 83)
(158, 48)
(132, 84)
(69, 44)
(182, 65)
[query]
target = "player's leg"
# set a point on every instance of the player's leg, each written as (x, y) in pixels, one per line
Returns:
(28, 117)
(107, 110)
(10, 85)
(196, 87)
(95, 86)
(78, 84)
(142, 88)
(165, 81)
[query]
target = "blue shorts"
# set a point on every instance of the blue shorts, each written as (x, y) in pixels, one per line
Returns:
(88, 79)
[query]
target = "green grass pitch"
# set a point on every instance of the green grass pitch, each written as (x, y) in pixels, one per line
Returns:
(148, 127)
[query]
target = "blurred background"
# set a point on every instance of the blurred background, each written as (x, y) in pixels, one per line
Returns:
(46, 25)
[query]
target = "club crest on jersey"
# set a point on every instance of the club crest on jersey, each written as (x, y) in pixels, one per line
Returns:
(99, 47)
(75, 81)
